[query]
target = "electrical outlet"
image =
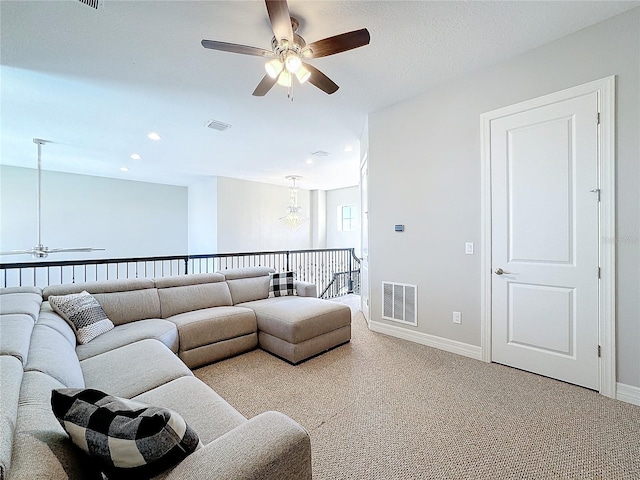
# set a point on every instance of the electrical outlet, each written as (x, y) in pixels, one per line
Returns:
(457, 317)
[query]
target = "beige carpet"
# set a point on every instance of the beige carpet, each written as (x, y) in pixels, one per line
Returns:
(385, 408)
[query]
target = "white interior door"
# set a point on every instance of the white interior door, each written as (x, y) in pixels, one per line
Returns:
(364, 229)
(544, 230)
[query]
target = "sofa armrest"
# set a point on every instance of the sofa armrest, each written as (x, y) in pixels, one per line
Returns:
(306, 289)
(270, 445)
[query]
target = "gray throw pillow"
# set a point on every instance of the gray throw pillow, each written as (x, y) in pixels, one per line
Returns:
(129, 439)
(84, 313)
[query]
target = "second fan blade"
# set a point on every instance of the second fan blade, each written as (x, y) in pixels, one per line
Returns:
(235, 48)
(339, 43)
(264, 86)
(280, 20)
(320, 80)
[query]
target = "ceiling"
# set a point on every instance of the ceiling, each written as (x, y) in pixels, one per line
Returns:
(96, 82)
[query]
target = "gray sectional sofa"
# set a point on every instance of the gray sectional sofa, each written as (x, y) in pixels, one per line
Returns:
(164, 328)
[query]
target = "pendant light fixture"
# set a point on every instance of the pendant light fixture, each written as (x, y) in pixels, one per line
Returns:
(293, 220)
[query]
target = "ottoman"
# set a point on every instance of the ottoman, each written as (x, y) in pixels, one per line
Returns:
(297, 328)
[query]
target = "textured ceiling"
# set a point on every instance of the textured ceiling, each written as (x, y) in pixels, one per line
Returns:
(96, 82)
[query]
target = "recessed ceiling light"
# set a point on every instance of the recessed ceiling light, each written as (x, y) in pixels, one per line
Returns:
(124, 169)
(135, 156)
(154, 136)
(309, 160)
(348, 148)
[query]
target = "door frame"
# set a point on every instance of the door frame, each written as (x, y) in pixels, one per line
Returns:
(605, 89)
(364, 234)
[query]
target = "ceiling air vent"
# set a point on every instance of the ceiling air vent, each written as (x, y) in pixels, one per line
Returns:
(97, 4)
(216, 125)
(320, 153)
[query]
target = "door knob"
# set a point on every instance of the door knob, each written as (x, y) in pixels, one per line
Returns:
(500, 271)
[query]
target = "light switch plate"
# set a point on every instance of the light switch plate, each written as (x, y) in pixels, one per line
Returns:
(468, 248)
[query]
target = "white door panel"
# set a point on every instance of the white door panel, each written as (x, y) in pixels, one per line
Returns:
(545, 237)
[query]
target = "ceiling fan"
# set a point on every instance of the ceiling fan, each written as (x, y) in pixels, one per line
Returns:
(39, 250)
(289, 51)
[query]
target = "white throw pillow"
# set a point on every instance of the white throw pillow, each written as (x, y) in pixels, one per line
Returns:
(84, 313)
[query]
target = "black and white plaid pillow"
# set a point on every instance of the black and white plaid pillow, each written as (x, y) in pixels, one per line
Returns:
(281, 284)
(84, 313)
(128, 438)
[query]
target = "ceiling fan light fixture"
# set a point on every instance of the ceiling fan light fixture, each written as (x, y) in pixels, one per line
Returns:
(293, 62)
(284, 79)
(303, 74)
(273, 67)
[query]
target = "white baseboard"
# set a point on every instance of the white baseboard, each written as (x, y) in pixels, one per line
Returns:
(452, 346)
(628, 393)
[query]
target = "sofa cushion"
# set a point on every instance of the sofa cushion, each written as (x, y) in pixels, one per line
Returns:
(192, 279)
(296, 319)
(206, 354)
(10, 380)
(133, 369)
(24, 289)
(51, 353)
(84, 313)
(246, 272)
(52, 320)
(15, 336)
(162, 330)
(125, 436)
(102, 286)
(41, 448)
(249, 289)
(130, 305)
(23, 302)
(281, 284)
(211, 325)
(176, 300)
(206, 411)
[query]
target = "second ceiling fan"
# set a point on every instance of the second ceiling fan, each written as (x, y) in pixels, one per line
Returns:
(289, 51)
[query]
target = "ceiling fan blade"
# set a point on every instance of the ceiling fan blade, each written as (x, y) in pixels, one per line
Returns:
(235, 48)
(320, 80)
(264, 86)
(80, 249)
(16, 252)
(280, 19)
(337, 44)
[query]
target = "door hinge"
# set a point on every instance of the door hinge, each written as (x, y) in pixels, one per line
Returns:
(596, 191)
(599, 351)
(598, 118)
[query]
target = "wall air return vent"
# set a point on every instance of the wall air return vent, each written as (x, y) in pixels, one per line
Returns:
(97, 4)
(400, 303)
(216, 125)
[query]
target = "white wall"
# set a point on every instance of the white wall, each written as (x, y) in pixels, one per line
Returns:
(335, 199)
(248, 214)
(203, 216)
(128, 219)
(318, 218)
(424, 154)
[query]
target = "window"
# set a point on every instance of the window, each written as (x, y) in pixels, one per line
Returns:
(347, 218)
